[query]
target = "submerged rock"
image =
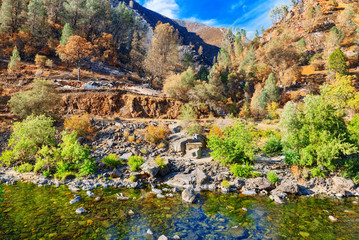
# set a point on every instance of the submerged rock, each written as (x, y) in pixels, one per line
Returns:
(189, 195)
(149, 232)
(288, 186)
(89, 193)
(80, 210)
(162, 237)
(249, 193)
(333, 219)
(75, 200)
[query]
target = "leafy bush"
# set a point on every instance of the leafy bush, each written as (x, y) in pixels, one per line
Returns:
(241, 171)
(273, 177)
(27, 138)
(353, 128)
(41, 99)
(112, 160)
(154, 135)
(88, 166)
(272, 146)
(226, 184)
(81, 124)
(351, 169)
(161, 162)
(337, 62)
(235, 146)
(135, 162)
(24, 168)
(317, 172)
(14, 60)
(315, 134)
(46, 173)
(133, 178)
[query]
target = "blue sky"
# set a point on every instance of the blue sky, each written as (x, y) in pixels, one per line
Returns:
(247, 14)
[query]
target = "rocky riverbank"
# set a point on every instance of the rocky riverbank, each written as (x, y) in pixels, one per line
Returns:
(189, 169)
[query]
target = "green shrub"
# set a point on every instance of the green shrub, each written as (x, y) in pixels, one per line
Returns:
(353, 128)
(27, 138)
(41, 99)
(226, 184)
(337, 62)
(236, 145)
(46, 173)
(273, 146)
(241, 171)
(88, 166)
(273, 177)
(133, 178)
(24, 168)
(14, 60)
(317, 172)
(135, 162)
(351, 169)
(316, 134)
(112, 160)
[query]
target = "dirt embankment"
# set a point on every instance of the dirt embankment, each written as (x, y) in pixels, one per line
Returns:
(119, 104)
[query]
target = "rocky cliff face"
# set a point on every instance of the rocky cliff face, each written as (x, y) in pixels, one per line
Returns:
(120, 104)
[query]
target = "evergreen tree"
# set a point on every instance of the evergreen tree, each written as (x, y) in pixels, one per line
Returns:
(66, 33)
(137, 53)
(14, 60)
(36, 17)
(337, 62)
(75, 10)
(270, 93)
(12, 15)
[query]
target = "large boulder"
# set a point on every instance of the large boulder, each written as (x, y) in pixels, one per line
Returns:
(182, 180)
(188, 195)
(260, 183)
(179, 145)
(150, 167)
(289, 187)
(201, 177)
(340, 183)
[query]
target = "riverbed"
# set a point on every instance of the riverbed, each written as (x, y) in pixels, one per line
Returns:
(32, 212)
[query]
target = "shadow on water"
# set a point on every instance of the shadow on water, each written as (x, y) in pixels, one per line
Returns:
(30, 212)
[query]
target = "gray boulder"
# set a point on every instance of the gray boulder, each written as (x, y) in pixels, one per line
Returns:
(179, 145)
(175, 128)
(201, 177)
(289, 187)
(189, 195)
(181, 180)
(150, 167)
(340, 183)
(260, 183)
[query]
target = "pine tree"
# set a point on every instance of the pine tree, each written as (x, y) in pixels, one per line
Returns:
(337, 62)
(36, 17)
(14, 60)
(162, 56)
(12, 15)
(66, 33)
(137, 53)
(75, 10)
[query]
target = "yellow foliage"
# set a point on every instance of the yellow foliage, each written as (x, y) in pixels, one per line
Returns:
(80, 124)
(216, 131)
(40, 61)
(272, 110)
(155, 134)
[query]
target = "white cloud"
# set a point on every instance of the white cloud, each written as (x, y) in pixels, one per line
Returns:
(209, 22)
(238, 5)
(168, 8)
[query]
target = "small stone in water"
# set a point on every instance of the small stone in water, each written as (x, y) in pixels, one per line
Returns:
(333, 219)
(149, 232)
(130, 213)
(90, 194)
(80, 210)
(244, 209)
(98, 199)
(355, 202)
(176, 237)
(162, 237)
(75, 200)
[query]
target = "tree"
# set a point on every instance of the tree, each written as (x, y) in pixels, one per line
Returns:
(36, 17)
(137, 53)
(162, 56)
(12, 15)
(76, 50)
(75, 11)
(14, 60)
(66, 33)
(41, 99)
(337, 62)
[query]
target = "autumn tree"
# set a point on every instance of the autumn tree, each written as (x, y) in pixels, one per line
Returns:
(137, 53)
(162, 56)
(75, 51)
(106, 49)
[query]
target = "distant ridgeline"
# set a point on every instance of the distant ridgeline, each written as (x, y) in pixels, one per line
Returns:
(151, 18)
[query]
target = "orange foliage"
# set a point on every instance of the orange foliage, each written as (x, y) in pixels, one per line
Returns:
(156, 134)
(75, 51)
(80, 124)
(106, 48)
(296, 171)
(216, 131)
